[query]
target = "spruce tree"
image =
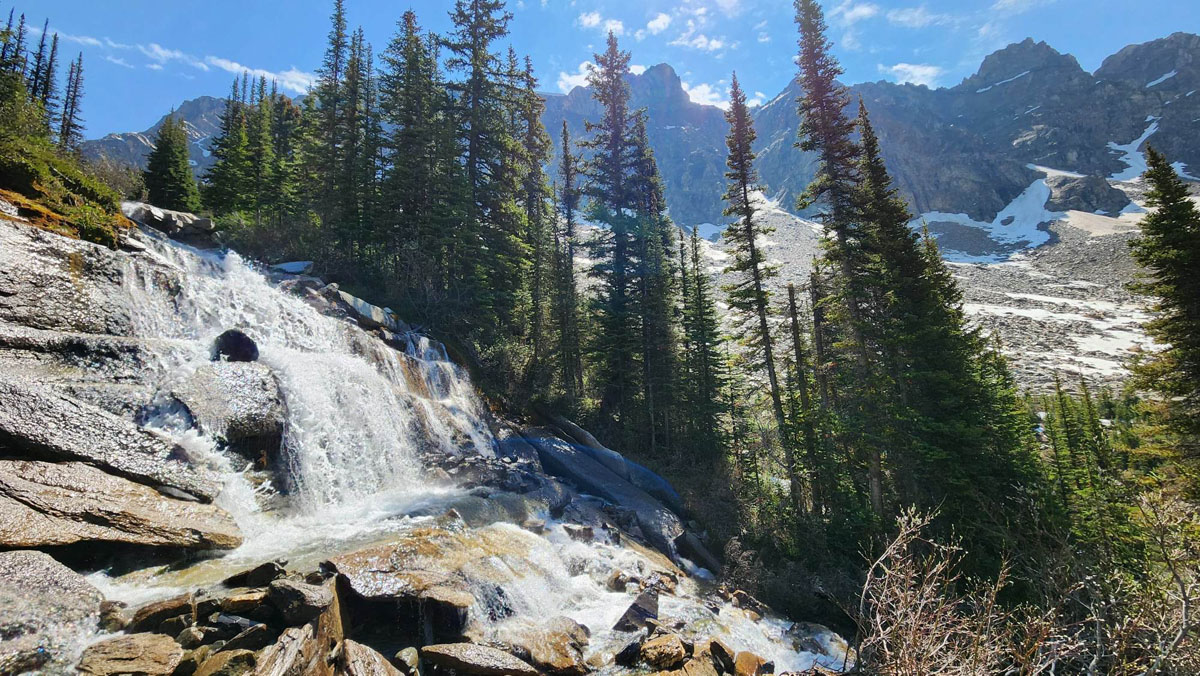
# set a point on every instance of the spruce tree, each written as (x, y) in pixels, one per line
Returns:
(70, 129)
(570, 352)
(535, 199)
(168, 176)
(825, 130)
(617, 343)
(749, 295)
(704, 355)
(226, 189)
(1169, 253)
(260, 154)
(33, 84)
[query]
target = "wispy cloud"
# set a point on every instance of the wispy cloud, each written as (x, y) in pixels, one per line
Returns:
(117, 60)
(849, 12)
(594, 20)
(917, 17)
(1018, 6)
(693, 38)
(915, 73)
(292, 79)
(162, 55)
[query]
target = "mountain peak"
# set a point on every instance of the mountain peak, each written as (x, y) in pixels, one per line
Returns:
(1022, 57)
(1170, 62)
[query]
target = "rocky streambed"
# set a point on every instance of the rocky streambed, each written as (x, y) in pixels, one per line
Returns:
(209, 467)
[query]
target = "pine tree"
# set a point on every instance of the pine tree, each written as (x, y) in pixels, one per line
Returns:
(536, 147)
(227, 180)
(492, 165)
(570, 352)
(704, 354)
(168, 175)
(260, 154)
(749, 295)
(657, 302)
(330, 95)
(617, 343)
(1169, 253)
(824, 129)
(36, 75)
(70, 130)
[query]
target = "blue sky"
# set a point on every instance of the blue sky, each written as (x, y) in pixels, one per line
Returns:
(144, 56)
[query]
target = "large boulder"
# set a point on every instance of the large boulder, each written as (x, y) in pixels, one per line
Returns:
(178, 225)
(363, 661)
(475, 660)
(238, 403)
(576, 464)
(142, 654)
(1085, 193)
(46, 504)
(312, 649)
(234, 345)
(367, 315)
(46, 606)
(44, 424)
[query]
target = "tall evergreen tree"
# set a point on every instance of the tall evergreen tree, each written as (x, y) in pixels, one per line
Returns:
(260, 154)
(70, 128)
(226, 190)
(749, 295)
(168, 175)
(704, 355)
(825, 130)
(570, 351)
(535, 199)
(1169, 253)
(34, 82)
(617, 344)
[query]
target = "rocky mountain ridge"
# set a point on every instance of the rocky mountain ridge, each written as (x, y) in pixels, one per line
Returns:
(987, 164)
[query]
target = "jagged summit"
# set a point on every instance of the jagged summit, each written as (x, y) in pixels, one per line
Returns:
(1020, 60)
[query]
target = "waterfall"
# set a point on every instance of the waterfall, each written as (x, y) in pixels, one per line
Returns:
(358, 412)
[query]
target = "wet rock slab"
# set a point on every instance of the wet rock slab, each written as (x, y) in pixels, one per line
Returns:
(45, 504)
(48, 425)
(476, 660)
(43, 606)
(143, 654)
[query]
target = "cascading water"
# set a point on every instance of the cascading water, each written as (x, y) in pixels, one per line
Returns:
(359, 414)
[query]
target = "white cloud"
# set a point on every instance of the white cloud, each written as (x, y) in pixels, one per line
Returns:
(117, 60)
(569, 81)
(917, 17)
(849, 13)
(764, 37)
(693, 39)
(594, 20)
(756, 100)
(730, 6)
(154, 66)
(916, 73)
(1018, 6)
(637, 69)
(161, 55)
(293, 80)
(706, 94)
(659, 24)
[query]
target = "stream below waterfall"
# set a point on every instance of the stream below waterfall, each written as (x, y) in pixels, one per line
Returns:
(359, 416)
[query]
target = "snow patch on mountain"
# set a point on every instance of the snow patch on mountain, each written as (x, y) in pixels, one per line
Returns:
(1018, 225)
(1181, 169)
(1131, 154)
(997, 84)
(1160, 80)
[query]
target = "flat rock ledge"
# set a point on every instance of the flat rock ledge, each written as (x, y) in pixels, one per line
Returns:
(47, 504)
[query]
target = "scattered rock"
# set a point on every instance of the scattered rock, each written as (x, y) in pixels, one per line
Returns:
(1084, 193)
(579, 533)
(48, 425)
(556, 648)
(363, 661)
(150, 616)
(643, 608)
(44, 504)
(244, 602)
(142, 654)
(723, 657)
(629, 655)
(700, 667)
(45, 605)
(476, 660)
(749, 664)
(664, 652)
(299, 602)
(409, 662)
(228, 663)
(235, 346)
(259, 576)
(253, 639)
